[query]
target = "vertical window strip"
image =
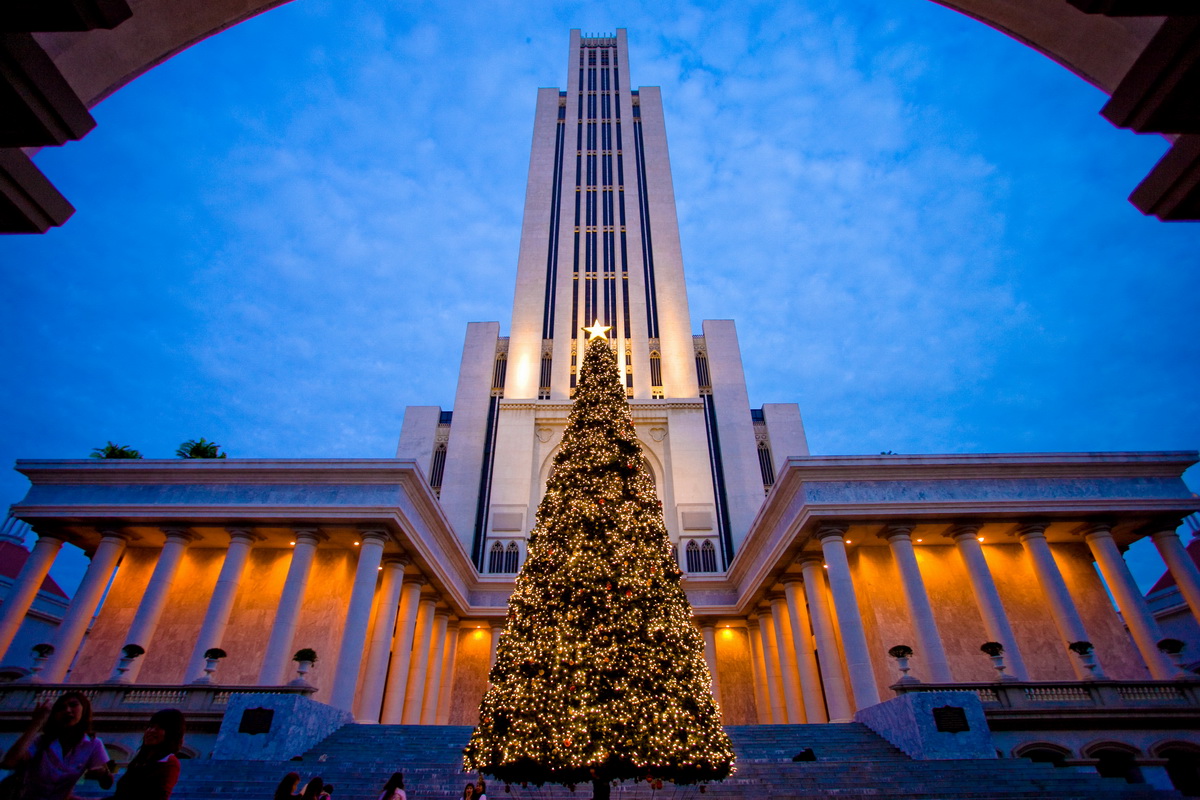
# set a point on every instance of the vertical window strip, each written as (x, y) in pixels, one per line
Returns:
(555, 221)
(437, 468)
(655, 369)
(644, 218)
(512, 554)
(496, 558)
(485, 484)
(765, 466)
(708, 557)
(702, 371)
(693, 556)
(498, 373)
(718, 475)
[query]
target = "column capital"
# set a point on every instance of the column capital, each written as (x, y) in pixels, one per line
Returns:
(115, 533)
(243, 533)
(706, 624)
(790, 578)
(828, 530)
(1095, 530)
(179, 533)
(963, 530)
(1164, 532)
(400, 560)
(898, 531)
(308, 535)
(50, 533)
(763, 610)
(752, 623)
(1031, 530)
(454, 623)
(776, 597)
(441, 612)
(374, 533)
(805, 559)
(417, 580)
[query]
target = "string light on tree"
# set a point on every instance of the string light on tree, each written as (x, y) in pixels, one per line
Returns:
(600, 672)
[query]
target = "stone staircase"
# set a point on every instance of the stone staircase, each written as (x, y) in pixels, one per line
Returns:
(852, 762)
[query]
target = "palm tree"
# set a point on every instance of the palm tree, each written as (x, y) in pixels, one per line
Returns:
(111, 450)
(199, 449)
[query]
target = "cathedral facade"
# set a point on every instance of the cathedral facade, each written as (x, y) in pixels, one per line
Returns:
(804, 572)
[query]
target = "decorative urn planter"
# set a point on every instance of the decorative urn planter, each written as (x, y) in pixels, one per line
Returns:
(212, 657)
(901, 653)
(995, 651)
(41, 654)
(304, 659)
(129, 654)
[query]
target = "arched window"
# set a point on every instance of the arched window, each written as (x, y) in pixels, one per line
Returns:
(1183, 766)
(1043, 753)
(511, 556)
(1116, 760)
(693, 556)
(708, 557)
(675, 554)
(496, 558)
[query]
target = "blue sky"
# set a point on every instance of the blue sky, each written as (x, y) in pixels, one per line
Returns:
(919, 225)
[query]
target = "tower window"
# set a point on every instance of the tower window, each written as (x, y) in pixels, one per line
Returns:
(496, 558)
(499, 372)
(765, 466)
(512, 555)
(701, 557)
(437, 467)
(655, 369)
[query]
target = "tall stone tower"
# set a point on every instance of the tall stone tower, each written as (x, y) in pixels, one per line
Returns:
(600, 241)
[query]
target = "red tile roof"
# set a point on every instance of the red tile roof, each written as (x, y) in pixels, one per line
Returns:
(13, 557)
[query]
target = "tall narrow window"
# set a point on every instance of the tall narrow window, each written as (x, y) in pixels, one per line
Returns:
(437, 467)
(544, 382)
(498, 372)
(512, 554)
(655, 369)
(765, 466)
(496, 558)
(708, 557)
(693, 556)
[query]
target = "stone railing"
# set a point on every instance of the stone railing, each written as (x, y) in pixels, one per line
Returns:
(135, 700)
(1082, 695)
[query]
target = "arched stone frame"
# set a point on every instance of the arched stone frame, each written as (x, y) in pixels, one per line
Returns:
(1183, 764)
(649, 457)
(1033, 751)
(1108, 753)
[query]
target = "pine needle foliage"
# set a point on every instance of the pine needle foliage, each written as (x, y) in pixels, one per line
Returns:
(600, 672)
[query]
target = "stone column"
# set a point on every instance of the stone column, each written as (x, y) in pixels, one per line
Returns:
(83, 605)
(836, 696)
(26, 586)
(278, 656)
(710, 655)
(154, 599)
(433, 673)
(806, 657)
(995, 620)
(854, 638)
(358, 618)
(762, 697)
(402, 645)
(448, 664)
(371, 699)
(766, 624)
(1062, 608)
(415, 691)
(928, 640)
(788, 670)
(1180, 565)
(1134, 609)
(221, 604)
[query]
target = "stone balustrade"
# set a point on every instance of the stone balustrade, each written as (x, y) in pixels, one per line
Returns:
(135, 701)
(1069, 695)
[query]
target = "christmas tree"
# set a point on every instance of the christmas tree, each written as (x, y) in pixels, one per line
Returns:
(600, 673)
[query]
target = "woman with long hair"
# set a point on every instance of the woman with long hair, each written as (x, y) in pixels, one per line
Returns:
(56, 750)
(287, 787)
(469, 792)
(154, 769)
(394, 788)
(312, 789)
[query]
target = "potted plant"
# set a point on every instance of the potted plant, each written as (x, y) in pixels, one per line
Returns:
(129, 653)
(1173, 649)
(41, 654)
(111, 450)
(995, 651)
(211, 656)
(1087, 657)
(305, 657)
(902, 652)
(201, 448)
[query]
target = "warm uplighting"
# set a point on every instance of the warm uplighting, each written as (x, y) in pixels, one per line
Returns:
(981, 538)
(291, 543)
(920, 540)
(849, 542)
(379, 568)
(356, 544)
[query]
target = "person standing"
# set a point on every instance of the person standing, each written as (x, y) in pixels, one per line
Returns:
(394, 788)
(56, 750)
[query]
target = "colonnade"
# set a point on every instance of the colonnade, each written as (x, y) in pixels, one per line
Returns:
(394, 637)
(800, 638)
(397, 650)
